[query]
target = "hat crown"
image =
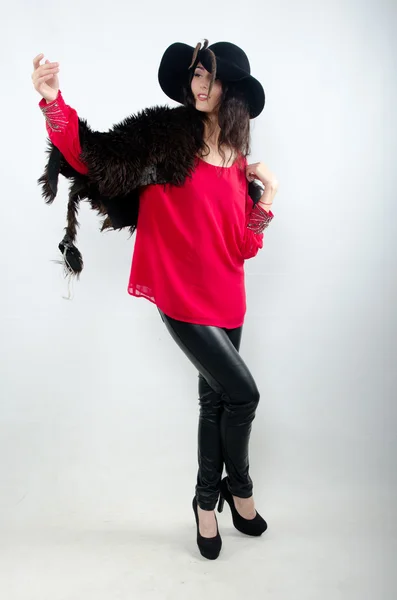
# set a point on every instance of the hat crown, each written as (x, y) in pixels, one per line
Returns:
(232, 54)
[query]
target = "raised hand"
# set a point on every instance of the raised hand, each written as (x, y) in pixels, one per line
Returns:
(260, 171)
(45, 78)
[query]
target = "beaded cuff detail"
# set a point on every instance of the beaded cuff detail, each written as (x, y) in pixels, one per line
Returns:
(259, 219)
(55, 117)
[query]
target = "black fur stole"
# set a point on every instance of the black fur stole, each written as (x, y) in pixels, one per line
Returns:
(158, 145)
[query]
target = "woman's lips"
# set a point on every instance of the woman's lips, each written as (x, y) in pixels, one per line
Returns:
(202, 97)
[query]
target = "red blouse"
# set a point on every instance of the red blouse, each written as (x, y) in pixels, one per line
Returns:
(191, 241)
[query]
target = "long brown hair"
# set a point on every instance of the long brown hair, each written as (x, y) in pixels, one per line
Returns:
(233, 115)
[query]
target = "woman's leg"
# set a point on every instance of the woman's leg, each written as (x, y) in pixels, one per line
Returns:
(212, 352)
(210, 448)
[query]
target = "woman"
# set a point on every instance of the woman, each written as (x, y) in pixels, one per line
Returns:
(184, 171)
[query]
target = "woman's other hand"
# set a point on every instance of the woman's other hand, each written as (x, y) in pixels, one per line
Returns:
(45, 78)
(260, 171)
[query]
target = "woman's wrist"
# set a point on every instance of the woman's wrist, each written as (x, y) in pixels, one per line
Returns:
(266, 200)
(265, 207)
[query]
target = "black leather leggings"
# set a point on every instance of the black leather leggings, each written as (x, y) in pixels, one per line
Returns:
(228, 398)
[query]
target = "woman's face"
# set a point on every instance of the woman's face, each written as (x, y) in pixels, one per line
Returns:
(200, 84)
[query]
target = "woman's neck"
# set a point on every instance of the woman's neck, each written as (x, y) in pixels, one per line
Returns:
(212, 131)
(211, 137)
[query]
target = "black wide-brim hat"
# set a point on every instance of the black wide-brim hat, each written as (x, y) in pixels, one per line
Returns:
(232, 66)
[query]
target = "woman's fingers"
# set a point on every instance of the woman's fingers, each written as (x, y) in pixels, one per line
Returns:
(44, 71)
(47, 65)
(250, 174)
(36, 60)
(44, 78)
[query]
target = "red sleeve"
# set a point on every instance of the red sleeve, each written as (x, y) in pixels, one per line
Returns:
(256, 220)
(62, 124)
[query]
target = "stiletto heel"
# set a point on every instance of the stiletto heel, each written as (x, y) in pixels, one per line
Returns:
(221, 503)
(254, 527)
(209, 547)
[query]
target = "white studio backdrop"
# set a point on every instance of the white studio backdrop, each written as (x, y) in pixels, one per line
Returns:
(99, 408)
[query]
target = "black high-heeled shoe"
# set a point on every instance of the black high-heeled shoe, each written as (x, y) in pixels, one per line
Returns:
(209, 547)
(255, 526)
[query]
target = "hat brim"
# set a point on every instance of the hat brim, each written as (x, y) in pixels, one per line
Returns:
(174, 71)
